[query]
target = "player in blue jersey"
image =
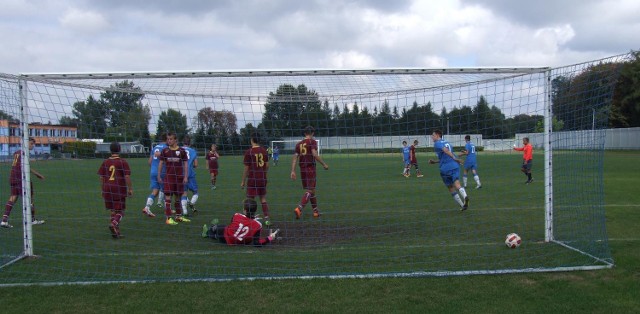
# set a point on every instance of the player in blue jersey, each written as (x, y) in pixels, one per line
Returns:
(470, 163)
(155, 186)
(449, 169)
(276, 155)
(192, 185)
(406, 159)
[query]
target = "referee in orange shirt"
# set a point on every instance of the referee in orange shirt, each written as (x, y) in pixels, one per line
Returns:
(527, 160)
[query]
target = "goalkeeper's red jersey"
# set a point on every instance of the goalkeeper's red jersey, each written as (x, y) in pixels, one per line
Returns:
(243, 230)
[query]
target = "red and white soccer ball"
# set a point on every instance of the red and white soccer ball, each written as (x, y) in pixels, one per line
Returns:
(513, 240)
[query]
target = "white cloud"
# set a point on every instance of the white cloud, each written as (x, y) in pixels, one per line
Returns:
(87, 22)
(348, 60)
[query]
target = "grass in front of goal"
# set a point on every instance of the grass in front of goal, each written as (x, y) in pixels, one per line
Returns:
(375, 221)
(612, 290)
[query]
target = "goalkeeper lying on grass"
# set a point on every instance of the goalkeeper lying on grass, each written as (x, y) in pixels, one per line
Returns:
(244, 229)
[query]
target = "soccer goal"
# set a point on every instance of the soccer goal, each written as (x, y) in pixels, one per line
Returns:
(374, 221)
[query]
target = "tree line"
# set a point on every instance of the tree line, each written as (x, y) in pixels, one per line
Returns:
(579, 101)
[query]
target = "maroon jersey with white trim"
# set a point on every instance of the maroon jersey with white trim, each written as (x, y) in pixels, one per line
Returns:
(242, 230)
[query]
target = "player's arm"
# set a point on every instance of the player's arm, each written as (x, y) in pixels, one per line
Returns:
(257, 241)
(160, 165)
(245, 173)
(319, 159)
(37, 174)
(127, 179)
(450, 154)
(464, 152)
(294, 161)
(185, 169)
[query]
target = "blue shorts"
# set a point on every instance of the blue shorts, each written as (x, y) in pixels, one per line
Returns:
(450, 177)
(276, 157)
(192, 185)
(407, 162)
(154, 182)
(470, 166)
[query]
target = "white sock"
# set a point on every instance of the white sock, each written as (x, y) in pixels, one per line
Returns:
(464, 181)
(161, 197)
(183, 202)
(149, 202)
(456, 197)
(463, 193)
(477, 180)
(194, 198)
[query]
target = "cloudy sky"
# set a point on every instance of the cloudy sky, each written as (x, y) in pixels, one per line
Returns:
(44, 36)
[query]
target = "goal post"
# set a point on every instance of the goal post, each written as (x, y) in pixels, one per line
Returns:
(374, 222)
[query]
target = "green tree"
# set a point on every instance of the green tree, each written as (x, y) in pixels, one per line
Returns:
(172, 121)
(625, 107)
(214, 127)
(289, 109)
(6, 116)
(558, 125)
(91, 116)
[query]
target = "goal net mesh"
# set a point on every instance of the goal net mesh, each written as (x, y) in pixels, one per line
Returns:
(374, 222)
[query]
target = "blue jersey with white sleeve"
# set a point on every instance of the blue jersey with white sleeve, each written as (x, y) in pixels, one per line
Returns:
(192, 154)
(471, 154)
(446, 162)
(406, 150)
(155, 160)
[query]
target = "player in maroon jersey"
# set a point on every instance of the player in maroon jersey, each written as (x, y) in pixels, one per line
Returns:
(212, 164)
(306, 154)
(414, 160)
(115, 178)
(254, 177)
(176, 176)
(244, 229)
(15, 181)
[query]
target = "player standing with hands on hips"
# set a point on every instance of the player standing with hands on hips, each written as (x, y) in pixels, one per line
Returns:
(449, 169)
(527, 158)
(306, 153)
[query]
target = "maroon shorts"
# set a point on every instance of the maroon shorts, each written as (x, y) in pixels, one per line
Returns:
(214, 171)
(253, 191)
(170, 187)
(115, 204)
(16, 188)
(308, 178)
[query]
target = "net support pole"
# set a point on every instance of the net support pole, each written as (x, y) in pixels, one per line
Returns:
(26, 172)
(548, 159)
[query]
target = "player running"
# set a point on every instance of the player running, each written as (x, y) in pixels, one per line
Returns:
(470, 162)
(449, 169)
(306, 153)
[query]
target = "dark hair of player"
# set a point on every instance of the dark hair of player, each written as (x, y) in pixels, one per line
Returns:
(404, 142)
(255, 137)
(526, 139)
(467, 137)
(114, 147)
(186, 140)
(309, 130)
(439, 132)
(250, 207)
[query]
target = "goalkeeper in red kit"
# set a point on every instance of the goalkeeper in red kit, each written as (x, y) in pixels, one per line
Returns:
(244, 229)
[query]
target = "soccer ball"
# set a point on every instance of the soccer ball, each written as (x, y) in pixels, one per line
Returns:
(513, 240)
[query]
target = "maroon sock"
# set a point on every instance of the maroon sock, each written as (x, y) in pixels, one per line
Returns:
(265, 209)
(178, 206)
(305, 199)
(314, 201)
(7, 211)
(167, 207)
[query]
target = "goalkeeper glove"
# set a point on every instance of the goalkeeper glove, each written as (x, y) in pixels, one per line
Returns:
(273, 234)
